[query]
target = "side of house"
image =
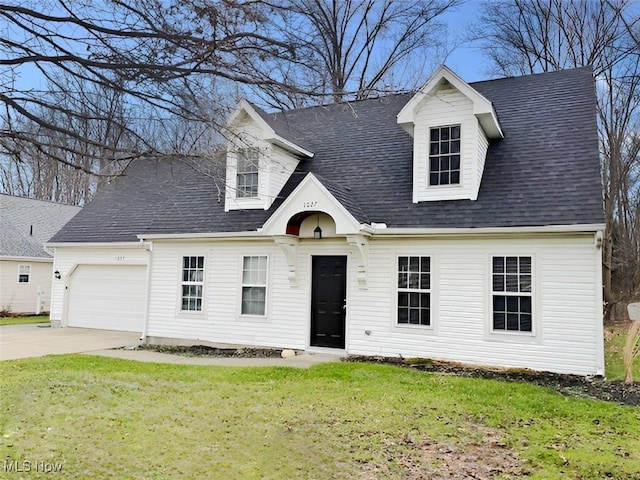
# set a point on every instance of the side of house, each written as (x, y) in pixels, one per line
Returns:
(25, 267)
(25, 285)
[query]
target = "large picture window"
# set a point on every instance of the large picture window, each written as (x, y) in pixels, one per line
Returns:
(254, 285)
(444, 155)
(192, 283)
(511, 286)
(414, 290)
(247, 174)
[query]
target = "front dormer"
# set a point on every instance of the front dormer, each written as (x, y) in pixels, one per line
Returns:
(451, 125)
(259, 160)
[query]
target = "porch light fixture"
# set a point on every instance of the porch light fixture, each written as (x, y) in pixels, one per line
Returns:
(317, 232)
(57, 275)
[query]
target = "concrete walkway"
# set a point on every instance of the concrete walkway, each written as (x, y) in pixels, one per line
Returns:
(32, 340)
(305, 360)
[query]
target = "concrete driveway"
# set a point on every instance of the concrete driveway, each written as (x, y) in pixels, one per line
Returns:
(23, 341)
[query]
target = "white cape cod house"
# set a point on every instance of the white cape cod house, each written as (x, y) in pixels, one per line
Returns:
(462, 223)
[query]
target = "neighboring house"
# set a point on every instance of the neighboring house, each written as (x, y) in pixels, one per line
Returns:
(25, 267)
(461, 223)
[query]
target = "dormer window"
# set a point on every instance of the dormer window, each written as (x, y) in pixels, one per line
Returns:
(444, 155)
(247, 173)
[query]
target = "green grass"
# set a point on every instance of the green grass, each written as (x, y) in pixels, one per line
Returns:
(24, 320)
(106, 418)
(615, 338)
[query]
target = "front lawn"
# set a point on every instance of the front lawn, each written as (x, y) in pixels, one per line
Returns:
(24, 319)
(106, 418)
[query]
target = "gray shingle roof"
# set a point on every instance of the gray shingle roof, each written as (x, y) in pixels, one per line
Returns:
(25, 224)
(544, 172)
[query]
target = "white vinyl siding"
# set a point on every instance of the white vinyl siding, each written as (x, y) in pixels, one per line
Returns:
(31, 297)
(567, 317)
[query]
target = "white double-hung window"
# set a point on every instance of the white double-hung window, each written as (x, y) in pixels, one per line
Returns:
(192, 283)
(254, 285)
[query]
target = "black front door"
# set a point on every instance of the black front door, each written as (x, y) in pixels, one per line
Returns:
(328, 294)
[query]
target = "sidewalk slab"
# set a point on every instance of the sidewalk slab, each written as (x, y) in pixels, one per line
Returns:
(32, 340)
(304, 360)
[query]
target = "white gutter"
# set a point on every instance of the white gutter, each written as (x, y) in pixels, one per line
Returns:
(212, 235)
(95, 244)
(28, 259)
(399, 231)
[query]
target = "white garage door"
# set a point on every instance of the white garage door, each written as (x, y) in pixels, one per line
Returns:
(110, 297)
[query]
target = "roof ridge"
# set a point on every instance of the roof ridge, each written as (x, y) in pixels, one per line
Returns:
(39, 200)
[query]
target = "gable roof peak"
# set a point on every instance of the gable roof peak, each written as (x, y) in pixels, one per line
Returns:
(270, 134)
(482, 107)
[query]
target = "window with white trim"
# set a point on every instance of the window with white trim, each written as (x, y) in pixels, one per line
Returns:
(192, 283)
(254, 285)
(24, 272)
(414, 290)
(512, 294)
(444, 155)
(247, 173)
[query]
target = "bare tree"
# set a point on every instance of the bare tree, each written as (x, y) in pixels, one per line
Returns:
(352, 49)
(532, 36)
(142, 49)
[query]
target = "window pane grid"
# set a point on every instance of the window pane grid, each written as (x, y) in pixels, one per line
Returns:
(254, 285)
(23, 273)
(247, 173)
(192, 283)
(444, 155)
(414, 290)
(511, 284)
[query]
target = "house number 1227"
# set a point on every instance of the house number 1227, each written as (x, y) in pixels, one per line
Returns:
(310, 204)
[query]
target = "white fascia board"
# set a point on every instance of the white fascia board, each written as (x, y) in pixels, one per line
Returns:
(290, 146)
(94, 244)
(269, 134)
(285, 207)
(27, 259)
(203, 236)
(482, 107)
(399, 231)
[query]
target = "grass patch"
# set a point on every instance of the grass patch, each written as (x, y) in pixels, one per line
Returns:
(106, 418)
(614, 338)
(24, 319)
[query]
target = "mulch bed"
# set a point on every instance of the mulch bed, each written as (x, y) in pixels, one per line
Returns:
(569, 385)
(206, 351)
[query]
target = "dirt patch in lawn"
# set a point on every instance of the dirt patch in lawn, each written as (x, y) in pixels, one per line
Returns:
(482, 456)
(570, 385)
(207, 351)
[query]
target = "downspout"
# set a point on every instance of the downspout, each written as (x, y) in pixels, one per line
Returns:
(599, 304)
(148, 246)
